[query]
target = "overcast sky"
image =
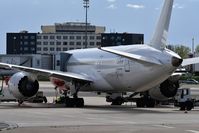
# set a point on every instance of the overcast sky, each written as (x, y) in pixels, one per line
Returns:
(133, 16)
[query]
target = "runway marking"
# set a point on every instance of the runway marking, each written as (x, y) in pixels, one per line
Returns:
(164, 126)
(193, 131)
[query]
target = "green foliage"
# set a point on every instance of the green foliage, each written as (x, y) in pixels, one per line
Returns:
(197, 49)
(182, 50)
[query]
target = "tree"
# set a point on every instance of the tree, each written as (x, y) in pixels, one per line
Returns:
(182, 50)
(197, 49)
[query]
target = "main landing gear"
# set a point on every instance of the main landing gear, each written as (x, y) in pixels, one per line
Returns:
(75, 101)
(144, 100)
(115, 98)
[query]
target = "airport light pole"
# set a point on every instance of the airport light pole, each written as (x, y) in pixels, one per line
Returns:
(86, 6)
(193, 47)
(14, 47)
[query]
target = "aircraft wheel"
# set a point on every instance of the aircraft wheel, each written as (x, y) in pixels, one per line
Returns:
(189, 105)
(79, 102)
(140, 103)
(150, 103)
(70, 102)
(117, 101)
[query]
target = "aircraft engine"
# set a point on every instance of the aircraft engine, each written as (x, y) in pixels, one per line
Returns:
(23, 85)
(166, 90)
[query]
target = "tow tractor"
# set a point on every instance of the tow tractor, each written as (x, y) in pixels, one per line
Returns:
(185, 99)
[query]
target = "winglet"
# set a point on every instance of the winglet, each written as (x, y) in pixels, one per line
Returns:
(159, 38)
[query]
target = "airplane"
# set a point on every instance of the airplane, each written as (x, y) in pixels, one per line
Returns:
(147, 69)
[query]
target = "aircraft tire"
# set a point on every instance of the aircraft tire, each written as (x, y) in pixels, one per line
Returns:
(140, 103)
(117, 101)
(150, 103)
(70, 102)
(189, 105)
(79, 102)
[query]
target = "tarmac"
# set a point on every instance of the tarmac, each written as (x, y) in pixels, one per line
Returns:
(97, 116)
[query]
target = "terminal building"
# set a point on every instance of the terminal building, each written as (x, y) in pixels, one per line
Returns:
(29, 60)
(21, 43)
(43, 50)
(116, 39)
(68, 36)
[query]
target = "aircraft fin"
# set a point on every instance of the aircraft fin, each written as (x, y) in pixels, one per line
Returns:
(159, 38)
(138, 58)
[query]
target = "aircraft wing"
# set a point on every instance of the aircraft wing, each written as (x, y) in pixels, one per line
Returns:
(135, 57)
(67, 76)
(190, 61)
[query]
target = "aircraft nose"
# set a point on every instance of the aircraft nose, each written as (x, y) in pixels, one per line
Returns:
(176, 62)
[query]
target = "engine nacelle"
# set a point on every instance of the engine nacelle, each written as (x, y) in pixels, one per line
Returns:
(166, 90)
(23, 85)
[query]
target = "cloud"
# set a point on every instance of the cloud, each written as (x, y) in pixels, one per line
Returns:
(134, 6)
(112, 6)
(111, 0)
(178, 6)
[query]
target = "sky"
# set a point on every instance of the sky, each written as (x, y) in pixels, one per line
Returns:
(132, 16)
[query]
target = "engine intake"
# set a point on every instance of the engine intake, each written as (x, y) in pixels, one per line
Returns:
(28, 88)
(166, 90)
(23, 85)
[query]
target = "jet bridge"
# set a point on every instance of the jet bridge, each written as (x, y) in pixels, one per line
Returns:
(61, 60)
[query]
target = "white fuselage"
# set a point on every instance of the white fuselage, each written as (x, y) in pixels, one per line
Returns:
(115, 73)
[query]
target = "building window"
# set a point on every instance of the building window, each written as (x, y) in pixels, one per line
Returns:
(58, 49)
(65, 37)
(71, 43)
(45, 49)
(92, 43)
(25, 48)
(84, 37)
(25, 43)
(58, 63)
(98, 43)
(45, 43)
(71, 48)
(45, 37)
(38, 43)
(38, 37)
(65, 49)
(32, 49)
(32, 37)
(119, 38)
(72, 37)
(92, 37)
(38, 49)
(52, 37)
(52, 49)
(32, 43)
(65, 43)
(78, 43)
(38, 62)
(78, 37)
(98, 37)
(58, 43)
(52, 43)
(25, 37)
(59, 37)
